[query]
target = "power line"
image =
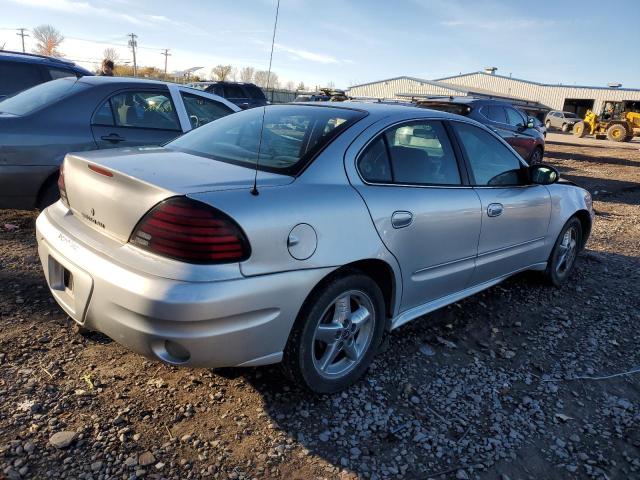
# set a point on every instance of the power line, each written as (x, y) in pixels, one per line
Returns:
(166, 55)
(22, 34)
(133, 43)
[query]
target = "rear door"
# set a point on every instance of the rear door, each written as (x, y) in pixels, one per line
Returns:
(18, 76)
(135, 117)
(515, 213)
(497, 121)
(426, 216)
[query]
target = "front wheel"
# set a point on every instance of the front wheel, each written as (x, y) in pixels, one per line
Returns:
(336, 334)
(564, 253)
(565, 127)
(536, 156)
(548, 125)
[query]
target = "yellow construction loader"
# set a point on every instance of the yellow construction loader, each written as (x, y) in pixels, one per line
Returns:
(615, 123)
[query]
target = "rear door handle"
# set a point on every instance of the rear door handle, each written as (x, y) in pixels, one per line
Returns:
(113, 138)
(401, 219)
(495, 209)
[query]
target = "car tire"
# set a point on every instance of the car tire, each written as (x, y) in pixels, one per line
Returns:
(49, 193)
(536, 156)
(564, 253)
(565, 127)
(336, 334)
(548, 125)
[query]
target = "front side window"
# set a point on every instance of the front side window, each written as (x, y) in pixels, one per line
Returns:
(495, 113)
(152, 110)
(418, 153)
(291, 136)
(514, 118)
(203, 110)
(491, 162)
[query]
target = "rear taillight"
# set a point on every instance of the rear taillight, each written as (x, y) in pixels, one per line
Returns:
(62, 187)
(191, 231)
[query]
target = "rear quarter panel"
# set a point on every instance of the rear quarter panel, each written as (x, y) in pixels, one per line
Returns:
(566, 201)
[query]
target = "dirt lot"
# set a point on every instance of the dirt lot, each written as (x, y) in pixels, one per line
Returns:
(504, 385)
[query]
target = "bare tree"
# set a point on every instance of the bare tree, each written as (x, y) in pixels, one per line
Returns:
(260, 78)
(301, 86)
(331, 85)
(221, 72)
(247, 73)
(49, 39)
(111, 54)
(2, 46)
(290, 86)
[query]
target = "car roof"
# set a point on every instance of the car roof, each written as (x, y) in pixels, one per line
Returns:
(102, 80)
(41, 59)
(382, 109)
(465, 101)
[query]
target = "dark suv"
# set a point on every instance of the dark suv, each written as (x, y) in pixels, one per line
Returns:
(244, 95)
(501, 117)
(19, 71)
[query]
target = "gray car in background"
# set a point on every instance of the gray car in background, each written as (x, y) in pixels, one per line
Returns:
(39, 126)
(561, 120)
(362, 217)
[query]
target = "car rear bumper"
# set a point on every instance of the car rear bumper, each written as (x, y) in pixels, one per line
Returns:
(238, 322)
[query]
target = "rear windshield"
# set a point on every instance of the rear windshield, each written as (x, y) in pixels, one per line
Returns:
(292, 135)
(447, 107)
(39, 96)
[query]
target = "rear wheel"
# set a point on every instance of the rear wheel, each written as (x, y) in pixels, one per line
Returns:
(336, 334)
(536, 156)
(564, 253)
(580, 129)
(616, 133)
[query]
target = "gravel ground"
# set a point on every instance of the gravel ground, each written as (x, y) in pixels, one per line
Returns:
(503, 385)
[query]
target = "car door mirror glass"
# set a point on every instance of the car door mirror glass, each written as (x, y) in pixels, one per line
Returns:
(543, 174)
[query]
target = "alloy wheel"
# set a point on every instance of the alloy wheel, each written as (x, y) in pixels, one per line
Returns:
(343, 335)
(567, 251)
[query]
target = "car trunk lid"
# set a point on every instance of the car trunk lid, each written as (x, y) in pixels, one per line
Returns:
(111, 190)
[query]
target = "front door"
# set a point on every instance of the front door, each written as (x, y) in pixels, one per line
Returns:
(132, 118)
(424, 215)
(515, 214)
(523, 139)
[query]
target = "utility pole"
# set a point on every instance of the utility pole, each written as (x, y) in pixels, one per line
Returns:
(166, 55)
(133, 43)
(22, 34)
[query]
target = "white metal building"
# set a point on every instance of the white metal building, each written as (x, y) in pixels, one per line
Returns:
(575, 99)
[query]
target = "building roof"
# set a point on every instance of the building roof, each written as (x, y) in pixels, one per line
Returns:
(444, 79)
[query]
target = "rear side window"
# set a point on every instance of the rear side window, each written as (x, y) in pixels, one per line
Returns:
(417, 153)
(40, 96)
(233, 91)
(18, 76)
(104, 115)
(152, 110)
(203, 110)
(491, 162)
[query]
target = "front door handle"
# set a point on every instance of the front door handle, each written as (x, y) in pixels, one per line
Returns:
(494, 209)
(401, 219)
(113, 138)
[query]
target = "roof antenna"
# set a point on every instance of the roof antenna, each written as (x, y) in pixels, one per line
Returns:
(254, 190)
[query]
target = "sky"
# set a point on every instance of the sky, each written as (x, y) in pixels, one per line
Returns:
(346, 42)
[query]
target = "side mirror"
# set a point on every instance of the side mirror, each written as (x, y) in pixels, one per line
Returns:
(543, 174)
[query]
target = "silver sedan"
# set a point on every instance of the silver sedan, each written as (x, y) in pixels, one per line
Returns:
(300, 234)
